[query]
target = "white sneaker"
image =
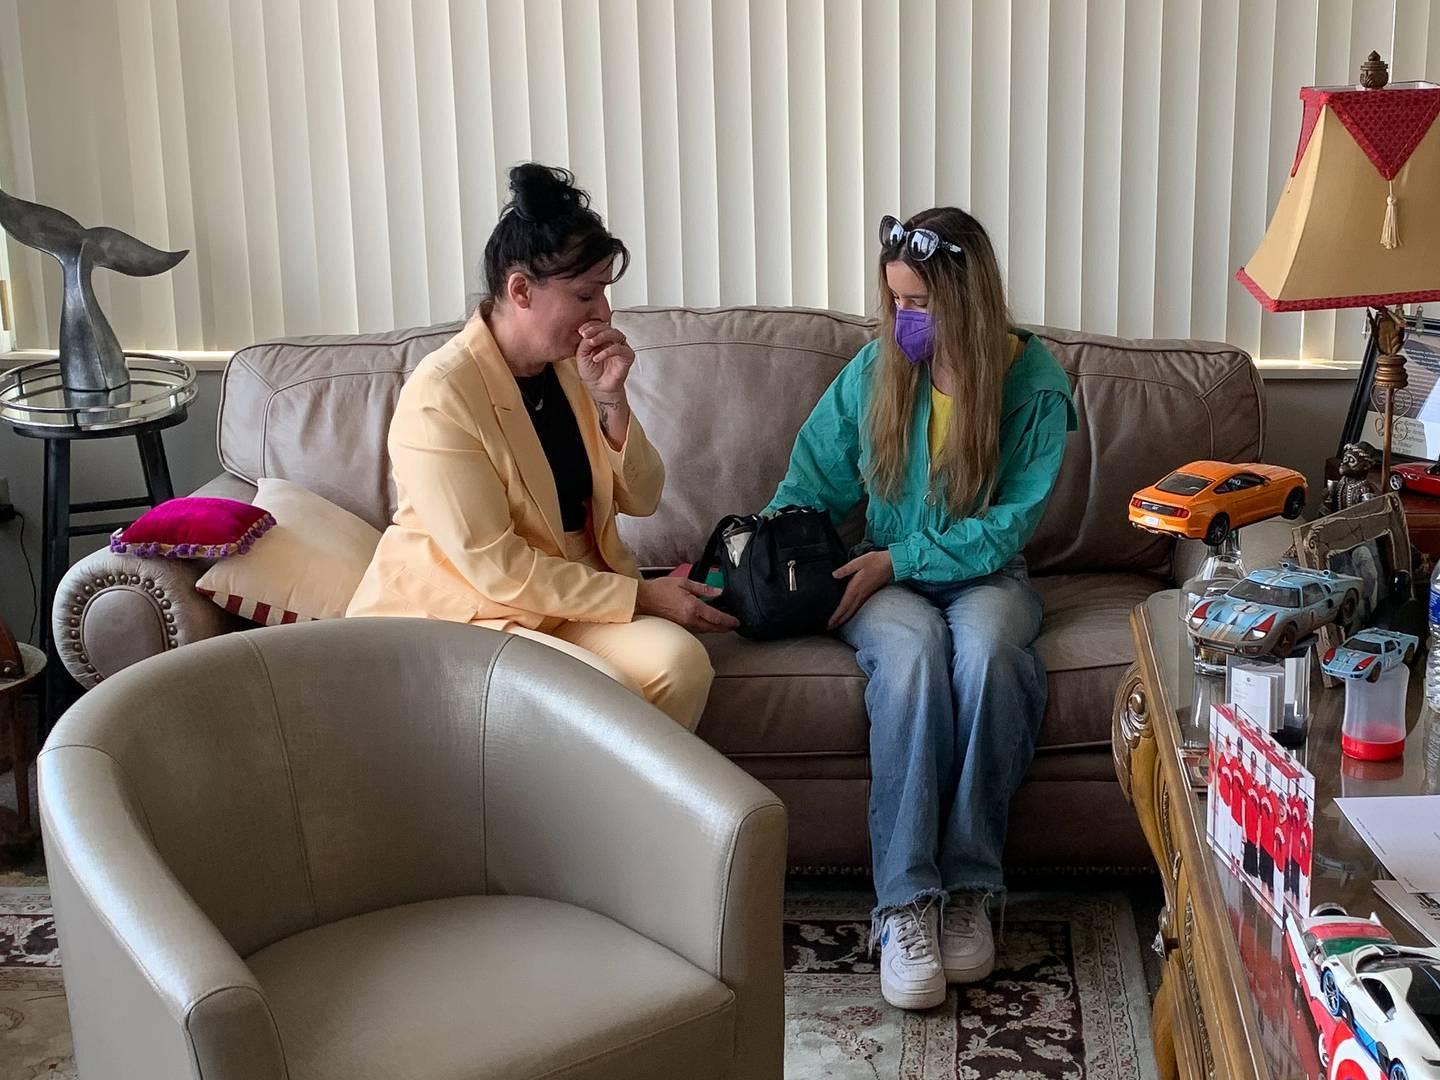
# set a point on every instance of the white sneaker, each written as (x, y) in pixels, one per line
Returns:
(910, 973)
(967, 947)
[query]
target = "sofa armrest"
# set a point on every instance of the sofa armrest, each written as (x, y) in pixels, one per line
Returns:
(595, 798)
(113, 610)
(154, 988)
(1261, 544)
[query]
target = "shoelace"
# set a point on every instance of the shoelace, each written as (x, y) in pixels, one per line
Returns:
(910, 935)
(960, 920)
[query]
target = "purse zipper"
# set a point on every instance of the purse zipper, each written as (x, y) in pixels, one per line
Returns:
(794, 587)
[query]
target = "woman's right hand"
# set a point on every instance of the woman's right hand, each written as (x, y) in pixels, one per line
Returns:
(678, 599)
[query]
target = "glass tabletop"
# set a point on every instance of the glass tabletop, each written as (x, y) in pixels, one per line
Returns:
(1344, 868)
(33, 396)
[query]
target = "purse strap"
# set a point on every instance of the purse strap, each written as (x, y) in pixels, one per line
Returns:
(701, 567)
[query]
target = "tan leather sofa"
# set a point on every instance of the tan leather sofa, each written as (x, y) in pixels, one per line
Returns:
(722, 393)
(374, 848)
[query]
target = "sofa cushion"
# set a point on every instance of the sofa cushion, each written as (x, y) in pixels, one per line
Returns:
(316, 410)
(797, 696)
(1145, 407)
(307, 567)
(1086, 645)
(491, 986)
(722, 394)
(806, 696)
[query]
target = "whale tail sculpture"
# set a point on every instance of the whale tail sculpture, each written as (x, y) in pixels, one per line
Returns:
(90, 354)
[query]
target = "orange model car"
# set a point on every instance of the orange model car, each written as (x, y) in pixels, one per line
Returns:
(1206, 499)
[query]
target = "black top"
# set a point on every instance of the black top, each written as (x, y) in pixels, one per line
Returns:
(554, 422)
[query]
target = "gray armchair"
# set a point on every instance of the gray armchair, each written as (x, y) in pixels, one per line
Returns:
(394, 848)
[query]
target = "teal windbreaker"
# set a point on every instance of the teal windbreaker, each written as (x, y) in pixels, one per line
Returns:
(926, 543)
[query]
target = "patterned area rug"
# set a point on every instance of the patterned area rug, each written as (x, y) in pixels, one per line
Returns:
(34, 1026)
(1067, 1000)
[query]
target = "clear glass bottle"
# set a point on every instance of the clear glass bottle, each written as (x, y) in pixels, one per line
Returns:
(1220, 570)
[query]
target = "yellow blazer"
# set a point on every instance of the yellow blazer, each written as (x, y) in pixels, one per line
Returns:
(477, 534)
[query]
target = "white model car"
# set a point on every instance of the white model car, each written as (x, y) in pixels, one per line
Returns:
(1389, 996)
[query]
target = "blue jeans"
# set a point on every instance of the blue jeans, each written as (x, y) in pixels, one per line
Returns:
(955, 699)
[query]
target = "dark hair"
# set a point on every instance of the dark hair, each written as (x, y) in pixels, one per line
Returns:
(547, 229)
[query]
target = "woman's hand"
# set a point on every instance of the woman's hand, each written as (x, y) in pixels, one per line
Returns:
(604, 358)
(868, 574)
(678, 599)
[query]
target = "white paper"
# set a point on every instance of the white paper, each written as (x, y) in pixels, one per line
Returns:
(1258, 694)
(1404, 831)
(1421, 910)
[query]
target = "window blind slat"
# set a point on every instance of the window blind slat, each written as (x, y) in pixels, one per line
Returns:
(1179, 118)
(1104, 82)
(1065, 166)
(1029, 169)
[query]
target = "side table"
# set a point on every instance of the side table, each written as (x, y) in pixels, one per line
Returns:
(17, 838)
(1229, 1005)
(37, 406)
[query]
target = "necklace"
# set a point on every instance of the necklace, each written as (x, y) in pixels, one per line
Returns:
(539, 401)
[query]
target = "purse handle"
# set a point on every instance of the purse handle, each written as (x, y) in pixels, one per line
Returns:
(701, 567)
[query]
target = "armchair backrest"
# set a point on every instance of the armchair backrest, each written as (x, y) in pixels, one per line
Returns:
(290, 779)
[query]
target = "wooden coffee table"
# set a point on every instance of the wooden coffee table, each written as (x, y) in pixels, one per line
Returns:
(1228, 1004)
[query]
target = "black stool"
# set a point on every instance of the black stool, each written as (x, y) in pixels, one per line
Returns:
(58, 691)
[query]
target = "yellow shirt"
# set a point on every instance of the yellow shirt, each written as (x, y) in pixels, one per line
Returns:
(940, 408)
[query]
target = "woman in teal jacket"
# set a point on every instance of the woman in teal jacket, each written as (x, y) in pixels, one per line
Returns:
(953, 423)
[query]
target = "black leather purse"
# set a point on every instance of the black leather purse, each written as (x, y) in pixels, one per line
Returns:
(778, 571)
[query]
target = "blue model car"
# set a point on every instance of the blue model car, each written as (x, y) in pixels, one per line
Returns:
(1369, 654)
(1273, 608)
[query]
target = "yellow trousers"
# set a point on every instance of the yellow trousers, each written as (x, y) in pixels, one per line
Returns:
(663, 663)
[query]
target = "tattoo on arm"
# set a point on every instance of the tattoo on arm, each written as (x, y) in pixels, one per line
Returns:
(609, 411)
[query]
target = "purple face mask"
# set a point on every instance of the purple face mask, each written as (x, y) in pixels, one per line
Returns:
(915, 334)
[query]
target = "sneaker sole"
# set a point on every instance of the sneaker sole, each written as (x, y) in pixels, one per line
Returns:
(912, 999)
(970, 974)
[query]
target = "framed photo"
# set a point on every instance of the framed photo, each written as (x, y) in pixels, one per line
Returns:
(1260, 814)
(1369, 541)
(1417, 407)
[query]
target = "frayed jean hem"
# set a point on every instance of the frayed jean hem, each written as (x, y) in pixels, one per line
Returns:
(921, 902)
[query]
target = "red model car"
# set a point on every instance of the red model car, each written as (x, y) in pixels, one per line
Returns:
(1416, 477)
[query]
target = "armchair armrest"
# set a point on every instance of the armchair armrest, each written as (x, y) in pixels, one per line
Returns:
(153, 987)
(596, 798)
(1261, 544)
(113, 610)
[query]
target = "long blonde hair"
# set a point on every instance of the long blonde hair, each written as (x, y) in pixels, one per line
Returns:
(972, 343)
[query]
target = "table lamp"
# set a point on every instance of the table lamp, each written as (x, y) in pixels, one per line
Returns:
(1358, 224)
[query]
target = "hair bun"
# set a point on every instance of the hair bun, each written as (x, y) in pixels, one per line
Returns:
(542, 192)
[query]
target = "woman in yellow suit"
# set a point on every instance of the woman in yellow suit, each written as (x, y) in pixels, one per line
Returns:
(513, 448)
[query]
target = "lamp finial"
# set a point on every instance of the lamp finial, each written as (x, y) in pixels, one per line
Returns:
(1374, 72)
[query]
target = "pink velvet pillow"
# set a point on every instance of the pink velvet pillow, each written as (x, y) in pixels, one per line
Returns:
(193, 528)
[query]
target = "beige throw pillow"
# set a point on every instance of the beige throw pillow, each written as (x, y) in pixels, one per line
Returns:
(307, 567)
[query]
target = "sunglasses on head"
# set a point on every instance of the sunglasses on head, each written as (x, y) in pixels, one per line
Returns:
(919, 243)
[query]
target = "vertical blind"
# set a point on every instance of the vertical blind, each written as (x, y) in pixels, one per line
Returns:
(336, 165)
